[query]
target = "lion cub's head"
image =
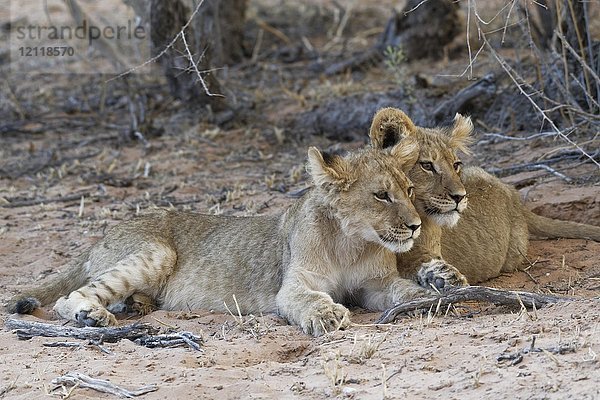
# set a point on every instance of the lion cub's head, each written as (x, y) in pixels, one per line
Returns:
(439, 191)
(369, 193)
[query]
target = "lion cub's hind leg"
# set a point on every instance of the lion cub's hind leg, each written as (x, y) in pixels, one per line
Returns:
(142, 273)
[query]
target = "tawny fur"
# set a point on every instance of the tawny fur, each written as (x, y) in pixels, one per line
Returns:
(492, 234)
(436, 190)
(335, 245)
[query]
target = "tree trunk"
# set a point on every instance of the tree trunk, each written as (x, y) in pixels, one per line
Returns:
(214, 39)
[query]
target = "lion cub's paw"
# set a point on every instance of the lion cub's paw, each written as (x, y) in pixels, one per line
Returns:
(141, 303)
(96, 317)
(439, 274)
(327, 317)
(87, 313)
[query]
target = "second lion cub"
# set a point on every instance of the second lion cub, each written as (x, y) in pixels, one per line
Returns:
(337, 244)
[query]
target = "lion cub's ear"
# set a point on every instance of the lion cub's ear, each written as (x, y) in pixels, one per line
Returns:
(406, 153)
(389, 126)
(326, 168)
(460, 135)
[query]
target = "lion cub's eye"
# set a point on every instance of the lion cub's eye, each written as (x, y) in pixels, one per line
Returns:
(410, 191)
(457, 166)
(383, 196)
(427, 166)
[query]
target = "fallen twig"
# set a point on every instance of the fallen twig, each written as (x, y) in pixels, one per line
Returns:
(27, 329)
(541, 164)
(62, 344)
(471, 293)
(529, 167)
(100, 385)
(171, 340)
(142, 334)
(46, 200)
(517, 357)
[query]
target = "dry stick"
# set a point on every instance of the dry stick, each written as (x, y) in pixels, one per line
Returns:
(553, 172)
(59, 199)
(142, 334)
(195, 67)
(170, 340)
(509, 72)
(274, 31)
(506, 137)
(536, 165)
(532, 167)
(471, 61)
(101, 385)
(471, 293)
(27, 329)
(415, 7)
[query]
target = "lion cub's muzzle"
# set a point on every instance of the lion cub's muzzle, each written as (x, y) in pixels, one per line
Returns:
(451, 203)
(446, 211)
(400, 238)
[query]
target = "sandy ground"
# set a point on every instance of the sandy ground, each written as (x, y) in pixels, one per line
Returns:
(453, 355)
(66, 149)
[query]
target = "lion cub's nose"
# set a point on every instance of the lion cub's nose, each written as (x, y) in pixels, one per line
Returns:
(414, 227)
(457, 197)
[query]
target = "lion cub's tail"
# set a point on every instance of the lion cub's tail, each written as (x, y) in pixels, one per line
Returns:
(554, 228)
(73, 277)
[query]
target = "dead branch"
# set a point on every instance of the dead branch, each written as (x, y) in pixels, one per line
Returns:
(80, 380)
(142, 334)
(499, 137)
(553, 172)
(541, 164)
(27, 329)
(60, 199)
(471, 293)
(92, 343)
(481, 90)
(170, 340)
(517, 357)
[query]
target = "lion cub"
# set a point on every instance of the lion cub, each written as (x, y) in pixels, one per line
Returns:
(336, 244)
(483, 239)
(440, 196)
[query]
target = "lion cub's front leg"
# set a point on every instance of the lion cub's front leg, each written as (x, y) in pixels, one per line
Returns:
(439, 274)
(382, 293)
(314, 311)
